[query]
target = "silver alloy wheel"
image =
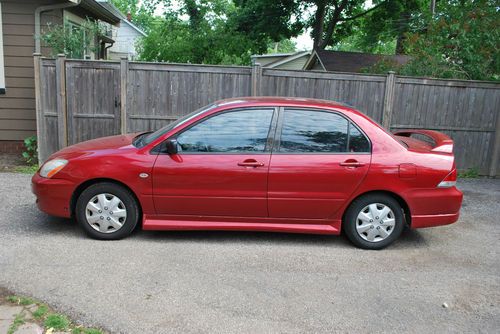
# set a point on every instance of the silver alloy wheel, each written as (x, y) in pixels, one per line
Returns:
(375, 222)
(106, 213)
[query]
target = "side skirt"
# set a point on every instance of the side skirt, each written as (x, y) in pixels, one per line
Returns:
(154, 223)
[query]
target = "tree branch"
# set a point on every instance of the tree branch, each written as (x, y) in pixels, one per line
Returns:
(362, 14)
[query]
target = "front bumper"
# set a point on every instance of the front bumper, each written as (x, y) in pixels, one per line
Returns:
(53, 196)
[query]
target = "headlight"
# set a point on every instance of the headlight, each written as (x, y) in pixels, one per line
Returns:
(51, 167)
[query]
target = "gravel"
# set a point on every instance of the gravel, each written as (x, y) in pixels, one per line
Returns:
(192, 282)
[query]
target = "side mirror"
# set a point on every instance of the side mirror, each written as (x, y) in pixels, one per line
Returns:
(171, 146)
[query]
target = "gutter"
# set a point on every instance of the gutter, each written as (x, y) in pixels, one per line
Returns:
(38, 14)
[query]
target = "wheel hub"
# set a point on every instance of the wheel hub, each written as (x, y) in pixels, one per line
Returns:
(375, 222)
(106, 213)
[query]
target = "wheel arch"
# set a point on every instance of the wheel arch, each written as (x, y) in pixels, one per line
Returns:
(401, 201)
(90, 182)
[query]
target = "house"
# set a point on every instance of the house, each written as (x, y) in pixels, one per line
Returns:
(325, 60)
(125, 35)
(343, 61)
(20, 23)
(283, 61)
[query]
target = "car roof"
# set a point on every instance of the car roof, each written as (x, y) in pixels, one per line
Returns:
(281, 100)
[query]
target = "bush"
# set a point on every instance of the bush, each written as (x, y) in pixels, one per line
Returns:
(30, 155)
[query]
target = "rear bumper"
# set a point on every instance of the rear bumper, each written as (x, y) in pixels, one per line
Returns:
(434, 207)
(433, 220)
(53, 196)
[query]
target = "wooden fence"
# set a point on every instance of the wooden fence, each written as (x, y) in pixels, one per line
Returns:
(80, 99)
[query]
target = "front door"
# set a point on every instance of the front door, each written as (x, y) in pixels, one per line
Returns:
(319, 159)
(221, 168)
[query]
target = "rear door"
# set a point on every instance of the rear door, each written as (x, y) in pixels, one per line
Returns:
(319, 158)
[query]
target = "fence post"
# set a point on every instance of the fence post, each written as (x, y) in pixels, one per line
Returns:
(37, 59)
(495, 159)
(390, 86)
(123, 93)
(62, 115)
(256, 78)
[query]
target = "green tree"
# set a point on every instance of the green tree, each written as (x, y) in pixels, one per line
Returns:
(329, 20)
(201, 32)
(390, 24)
(142, 12)
(74, 41)
(462, 40)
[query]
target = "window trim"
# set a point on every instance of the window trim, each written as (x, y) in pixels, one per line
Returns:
(269, 141)
(281, 117)
(2, 62)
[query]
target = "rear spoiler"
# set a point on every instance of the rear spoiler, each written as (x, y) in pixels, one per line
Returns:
(442, 143)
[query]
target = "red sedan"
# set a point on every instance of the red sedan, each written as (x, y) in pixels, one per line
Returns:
(258, 164)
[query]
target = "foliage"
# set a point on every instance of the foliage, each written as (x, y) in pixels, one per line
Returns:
(40, 312)
(57, 322)
(382, 67)
(384, 30)
(30, 155)
(74, 41)
(329, 20)
(283, 46)
(18, 321)
(141, 11)
(462, 41)
(208, 36)
(470, 173)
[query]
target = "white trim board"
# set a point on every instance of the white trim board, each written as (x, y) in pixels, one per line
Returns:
(2, 65)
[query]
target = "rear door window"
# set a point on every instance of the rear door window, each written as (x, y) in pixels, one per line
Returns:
(315, 131)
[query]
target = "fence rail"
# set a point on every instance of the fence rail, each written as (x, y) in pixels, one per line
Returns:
(80, 99)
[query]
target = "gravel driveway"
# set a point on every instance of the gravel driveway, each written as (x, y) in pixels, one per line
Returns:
(192, 282)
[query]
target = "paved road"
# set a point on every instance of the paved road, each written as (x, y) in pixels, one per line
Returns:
(192, 282)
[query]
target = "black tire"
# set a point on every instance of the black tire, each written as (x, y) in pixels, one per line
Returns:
(128, 200)
(351, 220)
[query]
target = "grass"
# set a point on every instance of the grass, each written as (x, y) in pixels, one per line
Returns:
(57, 321)
(45, 316)
(21, 300)
(40, 312)
(18, 321)
(470, 173)
(26, 169)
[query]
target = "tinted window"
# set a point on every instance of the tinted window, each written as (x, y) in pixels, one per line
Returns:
(235, 131)
(357, 141)
(313, 131)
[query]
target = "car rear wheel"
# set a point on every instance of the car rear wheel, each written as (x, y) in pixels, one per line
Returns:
(374, 221)
(107, 211)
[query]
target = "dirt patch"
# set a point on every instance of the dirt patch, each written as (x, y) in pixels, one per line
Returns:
(9, 162)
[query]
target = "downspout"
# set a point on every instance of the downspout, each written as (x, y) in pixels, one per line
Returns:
(38, 14)
(105, 55)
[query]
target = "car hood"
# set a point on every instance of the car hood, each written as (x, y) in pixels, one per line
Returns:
(105, 144)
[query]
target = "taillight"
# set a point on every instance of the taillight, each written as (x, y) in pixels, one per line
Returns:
(450, 180)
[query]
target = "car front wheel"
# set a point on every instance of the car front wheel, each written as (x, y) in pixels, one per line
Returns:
(107, 211)
(374, 221)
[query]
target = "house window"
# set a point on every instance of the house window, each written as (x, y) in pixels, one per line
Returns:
(2, 67)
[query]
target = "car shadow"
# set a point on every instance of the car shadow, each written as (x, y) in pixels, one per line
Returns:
(408, 239)
(44, 224)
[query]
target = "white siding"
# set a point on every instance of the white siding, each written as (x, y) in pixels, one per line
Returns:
(125, 38)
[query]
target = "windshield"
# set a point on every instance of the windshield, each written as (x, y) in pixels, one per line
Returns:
(160, 132)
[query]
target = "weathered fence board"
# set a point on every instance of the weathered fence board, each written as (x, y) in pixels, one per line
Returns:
(93, 99)
(364, 92)
(159, 94)
(103, 98)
